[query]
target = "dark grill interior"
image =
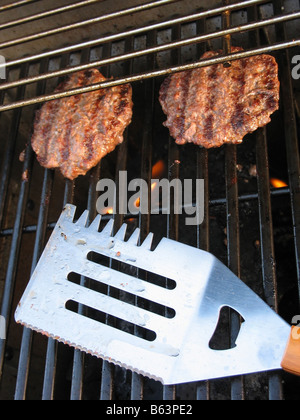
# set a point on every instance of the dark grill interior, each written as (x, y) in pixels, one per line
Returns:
(251, 223)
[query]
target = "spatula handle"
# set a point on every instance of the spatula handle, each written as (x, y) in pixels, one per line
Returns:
(291, 358)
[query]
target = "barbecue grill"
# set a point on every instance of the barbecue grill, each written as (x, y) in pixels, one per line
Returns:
(252, 191)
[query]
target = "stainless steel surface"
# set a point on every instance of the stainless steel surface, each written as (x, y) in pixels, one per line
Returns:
(179, 352)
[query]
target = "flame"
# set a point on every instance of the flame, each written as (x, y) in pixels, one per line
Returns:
(110, 210)
(278, 183)
(157, 171)
(138, 201)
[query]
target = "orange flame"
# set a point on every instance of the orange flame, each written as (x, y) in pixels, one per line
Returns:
(157, 171)
(278, 183)
(138, 201)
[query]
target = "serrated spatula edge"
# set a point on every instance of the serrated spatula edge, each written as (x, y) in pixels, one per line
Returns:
(89, 351)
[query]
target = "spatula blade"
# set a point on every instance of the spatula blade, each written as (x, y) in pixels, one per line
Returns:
(153, 312)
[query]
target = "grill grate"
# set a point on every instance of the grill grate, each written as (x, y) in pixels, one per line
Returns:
(177, 43)
(248, 224)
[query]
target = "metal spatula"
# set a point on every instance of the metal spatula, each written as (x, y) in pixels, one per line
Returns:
(86, 292)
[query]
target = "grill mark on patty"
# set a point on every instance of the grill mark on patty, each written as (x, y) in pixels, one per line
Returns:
(65, 150)
(120, 107)
(165, 88)
(47, 126)
(87, 75)
(238, 116)
(53, 107)
(181, 120)
(88, 134)
(269, 83)
(212, 94)
(271, 102)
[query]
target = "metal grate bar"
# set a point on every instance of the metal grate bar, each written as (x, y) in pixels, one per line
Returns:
(267, 244)
(47, 13)
(203, 234)
(148, 75)
(233, 222)
(226, 32)
(135, 31)
(108, 378)
(10, 147)
(169, 392)
(233, 248)
(24, 361)
(125, 12)
(52, 346)
(137, 381)
(77, 25)
(17, 230)
(25, 353)
(266, 227)
(107, 370)
(16, 4)
(79, 357)
(14, 250)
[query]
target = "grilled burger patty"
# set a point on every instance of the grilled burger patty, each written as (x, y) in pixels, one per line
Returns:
(214, 105)
(75, 133)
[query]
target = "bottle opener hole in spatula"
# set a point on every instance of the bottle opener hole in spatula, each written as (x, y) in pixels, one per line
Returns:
(157, 316)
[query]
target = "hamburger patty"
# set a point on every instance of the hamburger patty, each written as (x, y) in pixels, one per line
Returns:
(214, 105)
(75, 133)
